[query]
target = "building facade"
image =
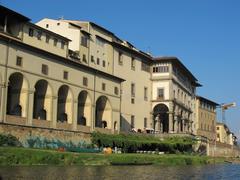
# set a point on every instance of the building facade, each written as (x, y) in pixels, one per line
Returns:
(224, 135)
(107, 53)
(206, 118)
(42, 87)
(173, 94)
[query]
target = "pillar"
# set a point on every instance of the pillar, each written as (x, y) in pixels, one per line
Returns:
(170, 123)
(93, 117)
(175, 130)
(75, 114)
(157, 124)
(54, 111)
(29, 109)
(183, 125)
(3, 102)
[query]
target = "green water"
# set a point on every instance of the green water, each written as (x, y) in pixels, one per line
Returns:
(225, 171)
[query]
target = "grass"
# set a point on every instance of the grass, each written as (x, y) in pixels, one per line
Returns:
(12, 156)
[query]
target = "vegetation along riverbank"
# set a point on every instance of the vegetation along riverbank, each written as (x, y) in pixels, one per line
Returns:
(177, 152)
(10, 156)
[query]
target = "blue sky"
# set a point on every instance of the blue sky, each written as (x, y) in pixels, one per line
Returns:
(204, 34)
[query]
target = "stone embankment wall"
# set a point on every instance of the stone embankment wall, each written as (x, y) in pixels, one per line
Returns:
(222, 150)
(46, 137)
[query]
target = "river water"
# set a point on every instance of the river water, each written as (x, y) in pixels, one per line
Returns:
(224, 171)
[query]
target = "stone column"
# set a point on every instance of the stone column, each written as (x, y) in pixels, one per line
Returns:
(157, 124)
(170, 122)
(93, 118)
(3, 102)
(30, 103)
(175, 130)
(54, 111)
(183, 125)
(75, 115)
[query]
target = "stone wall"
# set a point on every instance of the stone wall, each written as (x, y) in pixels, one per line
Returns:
(46, 137)
(223, 150)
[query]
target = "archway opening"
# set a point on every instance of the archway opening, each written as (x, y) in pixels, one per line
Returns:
(160, 113)
(65, 104)
(42, 100)
(17, 95)
(84, 109)
(103, 113)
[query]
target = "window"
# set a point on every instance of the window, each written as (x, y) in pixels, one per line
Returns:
(160, 69)
(45, 69)
(145, 93)
(99, 42)
(84, 41)
(19, 61)
(58, 24)
(154, 69)
(145, 122)
(65, 75)
(132, 121)
(133, 63)
(47, 38)
(39, 35)
(85, 81)
(84, 58)
(92, 58)
(116, 91)
(62, 44)
(30, 32)
(55, 41)
(120, 58)
(98, 61)
(103, 86)
(103, 63)
(145, 67)
(133, 90)
(160, 93)
(132, 100)
(47, 25)
(217, 128)
(218, 136)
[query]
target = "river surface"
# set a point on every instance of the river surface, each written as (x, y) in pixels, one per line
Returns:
(225, 171)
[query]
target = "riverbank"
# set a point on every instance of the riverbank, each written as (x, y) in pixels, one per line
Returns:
(13, 156)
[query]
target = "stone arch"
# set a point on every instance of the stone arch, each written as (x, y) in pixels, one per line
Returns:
(103, 114)
(84, 114)
(17, 98)
(65, 104)
(42, 107)
(161, 117)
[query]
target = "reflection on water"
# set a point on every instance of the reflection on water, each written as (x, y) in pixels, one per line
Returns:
(226, 171)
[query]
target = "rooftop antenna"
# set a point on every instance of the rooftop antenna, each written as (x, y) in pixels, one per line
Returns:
(149, 50)
(61, 18)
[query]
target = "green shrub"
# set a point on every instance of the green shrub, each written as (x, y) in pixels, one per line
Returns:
(9, 140)
(132, 143)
